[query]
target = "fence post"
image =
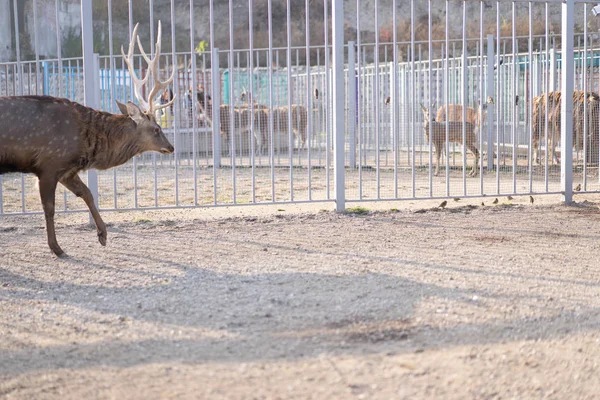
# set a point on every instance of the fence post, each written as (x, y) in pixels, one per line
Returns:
(566, 98)
(339, 101)
(89, 79)
(216, 106)
(490, 109)
(352, 104)
(552, 61)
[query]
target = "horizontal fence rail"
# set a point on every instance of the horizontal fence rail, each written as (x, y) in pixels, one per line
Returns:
(436, 104)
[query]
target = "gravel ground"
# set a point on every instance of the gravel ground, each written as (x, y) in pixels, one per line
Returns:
(501, 301)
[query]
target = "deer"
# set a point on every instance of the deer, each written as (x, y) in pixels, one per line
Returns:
(55, 139)
(435, 132)
(280, 117)
(241, 119)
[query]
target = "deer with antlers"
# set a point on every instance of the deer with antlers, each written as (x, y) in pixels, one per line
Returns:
(55, 139)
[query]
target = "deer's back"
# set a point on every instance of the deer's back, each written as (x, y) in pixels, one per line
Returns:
(37, 133)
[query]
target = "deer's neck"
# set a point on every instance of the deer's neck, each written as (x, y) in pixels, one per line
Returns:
(111, 139)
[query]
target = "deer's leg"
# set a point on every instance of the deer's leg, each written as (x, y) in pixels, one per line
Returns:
(475, 152)
(438, 154)
(47, 193)
(79, 189)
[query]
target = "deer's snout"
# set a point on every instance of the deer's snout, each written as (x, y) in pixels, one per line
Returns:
(167, 150)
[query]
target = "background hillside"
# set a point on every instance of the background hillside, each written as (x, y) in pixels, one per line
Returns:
(69, 20)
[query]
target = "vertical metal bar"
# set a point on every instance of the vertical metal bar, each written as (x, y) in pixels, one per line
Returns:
(288, 62)
(339, 103)
(566, 98)
(176, 138)
(309, 102)
(327, 103)
(394, 97)
(585, 132)
(479, 111)
(376, 96)
(216, 119)
(18, 49)
(89, 80)
(447, 100)
(232, 131)
(463, 81)
(359, 100)
(547, 89)
(498, 102)
(111, 103)
(194, 111)
(490, 107)
(251, 70)
(38, 84)
(514, 108)
(352, 104)
(271, 109)
(59, 51)
(528, 100)
(429, 102)
(413, 94)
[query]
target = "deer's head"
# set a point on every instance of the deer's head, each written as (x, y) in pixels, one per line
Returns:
(151, 136)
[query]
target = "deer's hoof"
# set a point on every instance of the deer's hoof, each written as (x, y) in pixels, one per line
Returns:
(102, 237)
(57, 250)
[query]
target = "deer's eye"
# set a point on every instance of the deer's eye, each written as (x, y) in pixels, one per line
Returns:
(156, 130)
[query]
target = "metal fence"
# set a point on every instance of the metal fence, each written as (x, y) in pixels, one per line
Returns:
(352, 128)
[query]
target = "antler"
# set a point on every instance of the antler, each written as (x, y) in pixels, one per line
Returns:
(149, 105)
(152, 67)
(138, 83)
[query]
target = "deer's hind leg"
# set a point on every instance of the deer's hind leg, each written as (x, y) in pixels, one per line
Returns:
(79, 189)
(475, 152)
(438, 154)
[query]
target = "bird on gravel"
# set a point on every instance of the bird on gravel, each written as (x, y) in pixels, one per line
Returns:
(495, 201)
(509, 197)
(531, 199)
(443, 204)
(578, 188)
(482, 204)
(456, 199)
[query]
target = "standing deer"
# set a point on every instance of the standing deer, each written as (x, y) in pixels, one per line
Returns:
(436, 133)
(280, 117)
(55, 139)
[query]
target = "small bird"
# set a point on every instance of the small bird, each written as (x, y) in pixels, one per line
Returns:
(316, 93)
(443, 204)
(531, 199)
(516, 100)
(387, 100)
(482, 204)
(578, 188)
(495, 201)
(490, 100)
(509, 197)
(456, 199)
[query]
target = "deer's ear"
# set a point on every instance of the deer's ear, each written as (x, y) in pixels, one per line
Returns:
(122, 107)
(134, 112)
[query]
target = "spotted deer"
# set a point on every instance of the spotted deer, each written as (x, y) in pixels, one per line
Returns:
(56, 138)
(435, 132)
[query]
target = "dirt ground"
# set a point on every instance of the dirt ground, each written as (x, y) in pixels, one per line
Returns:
(407, 301)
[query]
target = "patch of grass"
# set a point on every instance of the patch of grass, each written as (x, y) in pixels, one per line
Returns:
(394, 210)
(358, 210)
(142, 221)
(280, 209)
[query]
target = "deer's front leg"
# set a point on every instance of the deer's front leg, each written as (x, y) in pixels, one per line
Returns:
(79, 189)
(47, 192)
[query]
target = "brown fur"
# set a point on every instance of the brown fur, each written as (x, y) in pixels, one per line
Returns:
(55, 139)
(436, 133)
(554, 119)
